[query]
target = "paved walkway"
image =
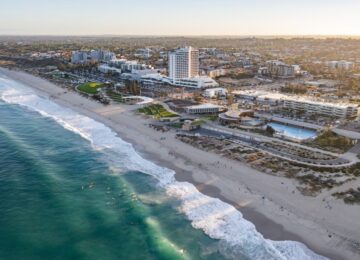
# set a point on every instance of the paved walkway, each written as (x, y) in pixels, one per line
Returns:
(290, 121)
(166, 106)
(355, 149)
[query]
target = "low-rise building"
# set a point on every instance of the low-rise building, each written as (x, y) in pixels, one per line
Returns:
(215, 92)
(216, 73)
(199, 82)
(79, 57)
(130, 66)
(322, 108)
(206, 108)
(280, 69)
(263, 71)
(93, 55)
(102, 55)
(104, 68)
(189, 126)
(343, 64)
(300, 103)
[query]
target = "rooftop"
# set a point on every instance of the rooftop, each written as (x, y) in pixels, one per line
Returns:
(205, 105)
(304, 99)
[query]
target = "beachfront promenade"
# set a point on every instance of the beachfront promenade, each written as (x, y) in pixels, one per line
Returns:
(257, 142)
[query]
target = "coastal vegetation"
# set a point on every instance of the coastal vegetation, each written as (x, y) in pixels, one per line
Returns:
(270, 131)
(114, 96)
(210, 117)
(311, 181)
(333, 142)
(294, 89)
(242, 75)
(314, 183)
(156, 111)
(90, 87)
(353, 170)
(351, 196)
(197, 122)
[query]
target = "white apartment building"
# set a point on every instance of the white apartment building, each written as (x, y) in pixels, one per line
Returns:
(322, 108)
(343, 64)
(184, 63)
(216, 73)
(79, 57)
(215, 92)
(297, 103)
(102, 55)
(104, 68)
(94, 55)
(263, 71)
(143, 53)
(199, 82)
(279, 69)
(132, 66)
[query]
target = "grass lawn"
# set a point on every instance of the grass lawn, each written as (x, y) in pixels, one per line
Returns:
(90, 87)
(210, 117)
(157, 111)
(198, 122)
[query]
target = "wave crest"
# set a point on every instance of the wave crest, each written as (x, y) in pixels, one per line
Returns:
(219, 220)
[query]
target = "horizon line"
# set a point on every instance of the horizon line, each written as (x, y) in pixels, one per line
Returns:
(180, 35)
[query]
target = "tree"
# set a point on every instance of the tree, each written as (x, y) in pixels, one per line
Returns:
(270, 130)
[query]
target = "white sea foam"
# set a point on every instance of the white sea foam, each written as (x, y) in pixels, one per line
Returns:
(219, 220)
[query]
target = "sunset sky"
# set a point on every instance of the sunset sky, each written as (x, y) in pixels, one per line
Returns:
(181, 17)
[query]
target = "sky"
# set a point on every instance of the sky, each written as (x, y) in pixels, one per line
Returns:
(180, 17)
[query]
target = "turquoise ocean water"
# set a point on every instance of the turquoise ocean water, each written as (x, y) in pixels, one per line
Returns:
(59, 199)
(71, 189)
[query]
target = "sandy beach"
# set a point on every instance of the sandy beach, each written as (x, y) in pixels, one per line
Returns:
(280, 212)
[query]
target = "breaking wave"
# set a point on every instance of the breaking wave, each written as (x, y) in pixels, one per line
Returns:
(238, 237)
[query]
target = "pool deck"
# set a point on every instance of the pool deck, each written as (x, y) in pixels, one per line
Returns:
(293, 132)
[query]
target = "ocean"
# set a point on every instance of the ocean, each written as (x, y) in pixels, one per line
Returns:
(70, 188)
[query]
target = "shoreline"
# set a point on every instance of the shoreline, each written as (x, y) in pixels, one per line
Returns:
(244, 193)
(268, 228)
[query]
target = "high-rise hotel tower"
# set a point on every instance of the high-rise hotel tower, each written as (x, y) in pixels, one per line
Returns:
(184, 63)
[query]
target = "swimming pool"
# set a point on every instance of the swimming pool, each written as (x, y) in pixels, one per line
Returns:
(293, 131)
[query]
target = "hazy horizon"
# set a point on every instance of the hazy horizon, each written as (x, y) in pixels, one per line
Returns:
(187, 36)
(229, 18)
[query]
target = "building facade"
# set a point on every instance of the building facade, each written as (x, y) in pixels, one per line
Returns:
(322, 108)
(93, 55)
(199, 82)
(280, 69)
(79, 57)
(342, 65)
(204, 109)
(299, 103)
(184, 63)
(215, 92)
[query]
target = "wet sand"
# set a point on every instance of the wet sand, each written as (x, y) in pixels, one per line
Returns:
(283, 214)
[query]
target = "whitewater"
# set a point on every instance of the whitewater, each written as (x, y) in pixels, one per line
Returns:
(219, 220)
